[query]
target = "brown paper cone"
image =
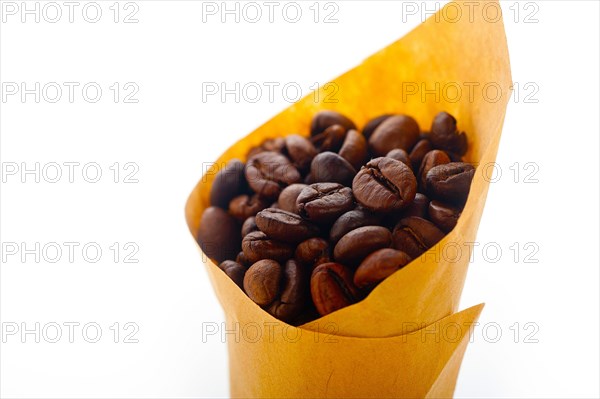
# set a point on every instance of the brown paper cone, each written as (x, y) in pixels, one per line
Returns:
(467, 53)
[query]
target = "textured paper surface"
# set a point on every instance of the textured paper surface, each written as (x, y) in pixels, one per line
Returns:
(468, 52)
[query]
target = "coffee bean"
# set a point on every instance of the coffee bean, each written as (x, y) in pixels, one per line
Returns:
(313, 252)
(431, 159)
(332, 168)
(288, 197)
(418, 207)
(378, 266)
(443, 215)
(400, 155)
(418, 152)
(357, 244)
(285, 226)
(243, 206)
(373, 124)
(269, 172)
(324, 119)
(228, 183)
(332, 288)
(300, 151)
(384, 185)
(450, 182)
(235, 271)
(354, 150)
(262, 281)
(219, 234)
(249, 226)
(294, 292)
(276, 144)
(331, 139)
(242, 260)
(257, 246)
(398, 131)
(351, 220)
(414, 236)
(324, 202)
(445, 136)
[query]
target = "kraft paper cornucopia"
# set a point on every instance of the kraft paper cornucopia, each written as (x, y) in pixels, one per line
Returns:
(404, 339)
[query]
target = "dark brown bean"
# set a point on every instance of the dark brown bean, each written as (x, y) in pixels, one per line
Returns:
(285, 226)
(384, 185)
(294, 292)
(400, 155)
(219, 234)
(235, 271)
(313, 252)
(443, 215)
(324, 202)
(242, 260)
(229, 183)
(332, 168)
(276, 144)
(351, 220)
(269, 172)
(332, 288)
(450, 182)
(398, 131)
(324, 119)
(331, 139)
(288, 197)
(300, 151)
(257, 246)
(418, 152)
(378, 266)
(414, 236)
(262, 281)
(372, 125)
(354, 150)
(431, 159)
(249, 226)
(243, 206)
(357, 244)
(445, 136)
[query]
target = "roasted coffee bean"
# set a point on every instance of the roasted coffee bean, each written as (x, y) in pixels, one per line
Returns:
(331, 139)
(324, 202)
(384, 185)
(354, 150)
(357, 244)
(313, 252)
(294, 292)
(276, 144)
(300, 151)
(262, 281)
(431, 159)
(285, 226)
(418, 207)
(332, 168)
(351, 220)
(450, 182)
(257, 246)
(443, 215)
(398, 131)
(219, 234)
(242, 260)
(332, 288)
(373, 124)
(445, 136)
(414, 236)
(235, 271)
(378, 266)
(275, 205)
(243, 206)
(288, 197)
(249, 226)
(269, 172)
(324, 119)
(418, 152)
(229, 183)
(400, 155)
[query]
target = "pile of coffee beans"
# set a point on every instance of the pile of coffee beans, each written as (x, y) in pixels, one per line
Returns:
(310, 225)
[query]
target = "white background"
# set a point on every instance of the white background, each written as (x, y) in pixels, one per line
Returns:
(171, 131)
